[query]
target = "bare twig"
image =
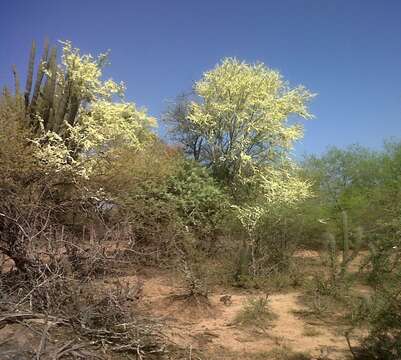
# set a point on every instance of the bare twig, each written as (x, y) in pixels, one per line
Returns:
(42, 343)
(347, 333)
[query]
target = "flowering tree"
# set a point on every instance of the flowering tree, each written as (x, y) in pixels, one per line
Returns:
(76, 115)
(68, 122)
(240, 122)
(238, 125)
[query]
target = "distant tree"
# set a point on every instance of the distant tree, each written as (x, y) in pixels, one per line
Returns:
(346, 180)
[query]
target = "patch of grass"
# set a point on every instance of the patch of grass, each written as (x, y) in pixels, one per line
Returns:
(280, 281)
(325, 300)
(311, 331)
(256, 312)
(286, 353)
(279, 353)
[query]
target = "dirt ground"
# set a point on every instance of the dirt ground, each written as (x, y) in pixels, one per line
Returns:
(208, 331)
(211, 328)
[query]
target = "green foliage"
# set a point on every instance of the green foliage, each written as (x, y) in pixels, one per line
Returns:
(238, 127)
(14, 149)
(343, 180)
(162, 196)
(285, 353)
(361, 187)
(381, 314)
(384, 340)
(199, 201)
(266, 248)
(28, 192)
(71, 146)
(46, 161)
(133, 183)
(255, 312)
(357, 202)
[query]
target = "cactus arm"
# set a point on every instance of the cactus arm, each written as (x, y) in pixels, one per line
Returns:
(28, 86)
(39, 78)
(74, 107)
(356, 250)
(332, 248)
(16, 80)
(62, 105)
(345, 259)
(50, 88)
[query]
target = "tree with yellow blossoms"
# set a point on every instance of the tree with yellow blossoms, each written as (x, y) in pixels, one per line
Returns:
(238, 125)
(75, 115)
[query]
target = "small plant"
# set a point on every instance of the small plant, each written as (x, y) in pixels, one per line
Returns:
(255, 313)
(286, 353)
(334, 283)
(311, 331)
(194, 289)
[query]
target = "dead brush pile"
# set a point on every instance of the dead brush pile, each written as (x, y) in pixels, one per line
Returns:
(62, 300)
(52, 288)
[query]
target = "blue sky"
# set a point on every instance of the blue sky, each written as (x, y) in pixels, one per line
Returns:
(347, 51)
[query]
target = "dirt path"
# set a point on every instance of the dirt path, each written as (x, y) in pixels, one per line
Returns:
(211, 327)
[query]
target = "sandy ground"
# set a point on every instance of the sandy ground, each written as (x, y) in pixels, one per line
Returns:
(211, 328)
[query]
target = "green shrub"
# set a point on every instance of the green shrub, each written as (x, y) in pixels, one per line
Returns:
(199, 201)
(255, 312)
(384, 323)
(162, 198)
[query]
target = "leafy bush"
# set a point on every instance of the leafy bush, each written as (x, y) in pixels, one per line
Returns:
(200, 203)
(162, 198)
(382, 314)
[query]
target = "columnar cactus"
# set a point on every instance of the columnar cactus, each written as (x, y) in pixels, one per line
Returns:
(16, 80)
(31, 65)
(345, 257)
(31, 106)
(71, 110)
(50, 99)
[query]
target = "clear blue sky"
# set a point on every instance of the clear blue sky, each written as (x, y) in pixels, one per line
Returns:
(347, 51)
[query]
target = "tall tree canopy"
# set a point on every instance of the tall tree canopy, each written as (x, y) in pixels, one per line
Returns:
(239, 119)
